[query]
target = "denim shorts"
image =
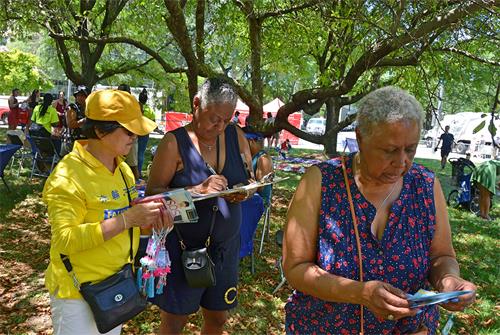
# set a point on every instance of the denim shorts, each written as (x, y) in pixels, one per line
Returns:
(180, 299)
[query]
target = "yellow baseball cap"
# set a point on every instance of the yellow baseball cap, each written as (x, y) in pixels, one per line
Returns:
(119, 106)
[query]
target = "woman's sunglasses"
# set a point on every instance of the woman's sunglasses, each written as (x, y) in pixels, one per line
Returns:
(128, 132)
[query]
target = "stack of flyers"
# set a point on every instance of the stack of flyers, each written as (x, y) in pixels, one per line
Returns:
(178, 202)
(426, 298)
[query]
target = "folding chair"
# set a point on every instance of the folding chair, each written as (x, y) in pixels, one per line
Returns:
(45, 153)
(279, 242)
(20, 155)
(251, 212)
(267, 217)
(351, 144)
(6, 152)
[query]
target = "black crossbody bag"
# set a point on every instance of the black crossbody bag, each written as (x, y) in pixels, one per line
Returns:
(199, 269)
(117, 298)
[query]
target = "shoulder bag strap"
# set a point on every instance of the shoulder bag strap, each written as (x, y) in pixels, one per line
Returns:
(65, 258)
(358, 243)
(215, 209)
(130, 230)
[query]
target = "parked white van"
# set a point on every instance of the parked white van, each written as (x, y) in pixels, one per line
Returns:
(457, 122)
(480, 141)
(316, 125)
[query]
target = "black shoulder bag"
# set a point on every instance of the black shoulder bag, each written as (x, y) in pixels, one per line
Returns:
(117, 298)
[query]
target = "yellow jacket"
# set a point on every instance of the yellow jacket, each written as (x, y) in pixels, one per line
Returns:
(80, 193)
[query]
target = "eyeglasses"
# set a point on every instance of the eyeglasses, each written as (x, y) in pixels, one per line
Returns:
(128, 132)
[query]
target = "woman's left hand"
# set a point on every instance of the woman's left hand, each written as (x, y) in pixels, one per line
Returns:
(240, 196)
(454, 283)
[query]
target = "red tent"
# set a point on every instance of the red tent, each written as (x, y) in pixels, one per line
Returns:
(175, 120)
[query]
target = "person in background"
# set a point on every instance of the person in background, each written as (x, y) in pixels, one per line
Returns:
(44, 117)
(132, 159)
(447, 139)
(33, 99)
(26, 108)
(285, 148)
(13, 109)
(269, 123)
(236, 118)
(204, 156)
(60, 104)
(74, 120)
(352, 271)
(88, 198)
(142, 141)
(44, 120)
(486, 177)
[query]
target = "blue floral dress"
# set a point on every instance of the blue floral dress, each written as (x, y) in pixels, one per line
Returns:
(400, 258)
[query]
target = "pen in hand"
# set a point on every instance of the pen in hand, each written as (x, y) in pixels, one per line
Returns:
(211, 169)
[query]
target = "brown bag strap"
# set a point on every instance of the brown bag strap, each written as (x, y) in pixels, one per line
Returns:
(358, 243)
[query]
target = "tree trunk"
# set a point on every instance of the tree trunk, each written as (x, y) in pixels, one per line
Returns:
(333, 106)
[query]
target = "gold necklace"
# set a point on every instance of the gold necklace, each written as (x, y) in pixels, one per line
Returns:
(209, 147)
(388, 195)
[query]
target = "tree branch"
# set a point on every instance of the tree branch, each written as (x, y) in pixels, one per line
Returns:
(292, 9)
(122, 69)
(371, 57)
(468, 55)
(166, 67)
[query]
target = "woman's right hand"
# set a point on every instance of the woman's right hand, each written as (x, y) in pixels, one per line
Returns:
(214, 183)
(148, 215)
(386, 301)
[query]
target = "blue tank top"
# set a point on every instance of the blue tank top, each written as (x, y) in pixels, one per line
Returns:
(400, 258)
(195, 171)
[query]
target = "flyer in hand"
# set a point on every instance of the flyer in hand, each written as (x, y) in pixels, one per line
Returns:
(178, 202)
(238, 189)
(425, 298)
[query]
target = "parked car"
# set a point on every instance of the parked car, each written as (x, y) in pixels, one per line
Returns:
(316, 125)
(4, 114)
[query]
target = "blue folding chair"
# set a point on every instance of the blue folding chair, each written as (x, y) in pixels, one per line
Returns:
(45, 156)
(6, 153)
(351, 144)
(268, 191)
(251, 212)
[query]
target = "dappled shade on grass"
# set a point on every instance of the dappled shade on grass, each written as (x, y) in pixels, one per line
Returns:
(24, 255)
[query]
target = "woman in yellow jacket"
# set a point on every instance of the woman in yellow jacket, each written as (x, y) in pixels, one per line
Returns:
(88, 197)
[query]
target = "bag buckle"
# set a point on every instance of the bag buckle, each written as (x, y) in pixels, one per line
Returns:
(76, 283)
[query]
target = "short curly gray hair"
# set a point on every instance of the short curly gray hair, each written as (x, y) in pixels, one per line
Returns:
(387, 105)
(216, 91)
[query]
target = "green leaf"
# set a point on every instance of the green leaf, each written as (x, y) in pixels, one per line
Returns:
(479, 127)
(492, 129)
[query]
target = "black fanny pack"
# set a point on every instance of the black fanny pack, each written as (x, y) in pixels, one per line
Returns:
(199, 269)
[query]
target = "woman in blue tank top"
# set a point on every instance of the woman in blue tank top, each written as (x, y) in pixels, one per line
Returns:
(208, 155)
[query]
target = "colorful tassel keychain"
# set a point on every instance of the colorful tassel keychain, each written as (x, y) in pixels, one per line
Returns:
(156, 264)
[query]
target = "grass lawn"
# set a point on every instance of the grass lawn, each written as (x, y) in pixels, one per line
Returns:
(25, 239)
